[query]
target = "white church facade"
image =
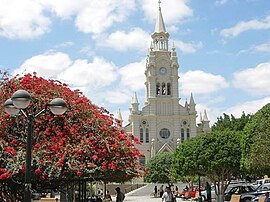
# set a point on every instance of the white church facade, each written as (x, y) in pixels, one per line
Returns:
(163, 122)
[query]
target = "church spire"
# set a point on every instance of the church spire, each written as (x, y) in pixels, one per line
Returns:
(205, 118)
(160, 36)
(160, 26)
(119, 115)
(186, 104)
(135, 103)
(134, 99)
(192, 103)
(205, 123)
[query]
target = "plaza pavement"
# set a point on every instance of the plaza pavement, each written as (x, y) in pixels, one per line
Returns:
(144, 194)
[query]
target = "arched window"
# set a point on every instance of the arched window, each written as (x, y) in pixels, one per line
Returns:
(164, 133)
(158, 88)
(188, 135)
(141, 134)
(182, 134)
(163, 89)
(168, 89)
(147, 135)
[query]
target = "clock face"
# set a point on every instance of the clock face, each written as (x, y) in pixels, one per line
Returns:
(162, 70)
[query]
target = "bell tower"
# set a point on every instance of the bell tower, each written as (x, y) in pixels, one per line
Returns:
(163, 122)
(161, 72)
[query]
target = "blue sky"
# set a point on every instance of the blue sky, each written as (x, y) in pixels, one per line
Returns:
(100, 47)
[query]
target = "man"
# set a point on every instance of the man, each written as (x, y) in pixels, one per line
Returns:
(208, 192)
(267, 199)
(161, 191)
(168, 196)
(120, 196)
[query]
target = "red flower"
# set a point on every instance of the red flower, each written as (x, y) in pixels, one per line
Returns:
(38, 171)
(94, 157)
(91, 165)
(85, 138)
(112, 166)
(5, 176)
(22, 168)
(60, 164)
(2, 170)
(10, 150)
(42, 177)
(79, 173)
(14, 141)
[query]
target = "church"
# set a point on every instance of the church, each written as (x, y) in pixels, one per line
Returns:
(163, 123)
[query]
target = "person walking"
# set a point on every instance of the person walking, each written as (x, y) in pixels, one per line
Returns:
(120, 196)
(108, 196)
(161, 191)
(267, 199)
(155, 191)
(208, 192)
(168, 196)
(176, 191)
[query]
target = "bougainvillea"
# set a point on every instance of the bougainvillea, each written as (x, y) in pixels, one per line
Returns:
(84, 142)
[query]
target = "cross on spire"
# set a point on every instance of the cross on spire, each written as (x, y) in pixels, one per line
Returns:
(159, 2)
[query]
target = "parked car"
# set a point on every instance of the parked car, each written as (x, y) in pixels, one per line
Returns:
(256, 199)
(213, 193)
(261, 190)
(239, 189)
(233, 189)
(262, 181)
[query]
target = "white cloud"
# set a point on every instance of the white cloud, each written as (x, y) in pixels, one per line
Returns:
(93, 16)
(123, 41)
(199, 82)
(79, 73)
(132, 75)
(262, 47)
(31, 18)
(117, 96)
(221, 2)
(98, 15)
(22, 19)
(212, 112)
(96, 74)
(64, 9)
(254, 80)
(49, 64)
(173, 11)
(64, 44)
(188, 47)
(250, 107)
(96, 79)
(245, 26)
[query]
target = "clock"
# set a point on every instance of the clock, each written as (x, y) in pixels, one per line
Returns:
(162, 70)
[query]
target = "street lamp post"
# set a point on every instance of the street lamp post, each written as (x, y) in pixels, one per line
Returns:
(19, 101)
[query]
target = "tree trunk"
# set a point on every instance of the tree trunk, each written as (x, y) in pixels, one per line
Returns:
(67, 192)
(220, 198)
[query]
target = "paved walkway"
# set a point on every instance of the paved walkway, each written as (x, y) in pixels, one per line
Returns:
(144, 194)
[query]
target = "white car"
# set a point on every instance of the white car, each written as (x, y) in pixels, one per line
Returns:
(213, 194)
(261, 181)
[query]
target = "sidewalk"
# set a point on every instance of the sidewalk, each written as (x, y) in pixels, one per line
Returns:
(144, 199)
(143, 194)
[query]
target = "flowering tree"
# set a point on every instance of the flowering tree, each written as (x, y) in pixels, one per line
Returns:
(84, 142)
